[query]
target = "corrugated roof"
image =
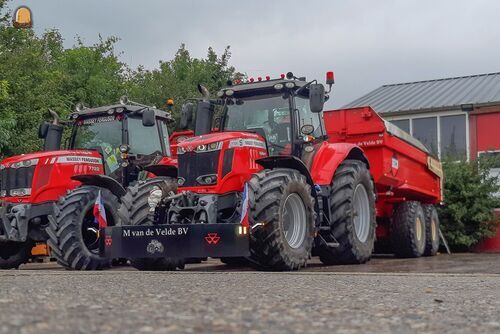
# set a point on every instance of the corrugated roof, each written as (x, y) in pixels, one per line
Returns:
(433, 94)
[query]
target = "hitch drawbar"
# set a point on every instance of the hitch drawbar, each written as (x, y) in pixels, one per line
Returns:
(176, 240)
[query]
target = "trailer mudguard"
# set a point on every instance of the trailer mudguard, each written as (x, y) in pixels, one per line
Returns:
(162, 170)
(102, 181)
(329, 157)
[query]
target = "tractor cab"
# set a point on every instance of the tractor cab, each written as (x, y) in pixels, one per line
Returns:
(277, 110)
(126, 136)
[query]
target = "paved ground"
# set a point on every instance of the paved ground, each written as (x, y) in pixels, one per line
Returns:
(459, 294)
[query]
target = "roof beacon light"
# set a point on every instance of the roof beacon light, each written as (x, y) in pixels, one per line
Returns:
(330, 78)
(282, 76)
(268, 77)
(259, 78)
(251, 79)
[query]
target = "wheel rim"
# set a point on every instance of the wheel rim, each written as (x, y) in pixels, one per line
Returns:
(90, 232)
(361, 205)
(433, 229)
(418, 228)
(294, 220)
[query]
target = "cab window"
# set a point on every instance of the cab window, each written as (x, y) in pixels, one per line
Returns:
(143, 140)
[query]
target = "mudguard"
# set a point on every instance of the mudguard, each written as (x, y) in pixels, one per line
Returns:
(286, 162)
(102, 181)
(329, 157)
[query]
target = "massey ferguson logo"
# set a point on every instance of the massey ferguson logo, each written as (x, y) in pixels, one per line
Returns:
(212, 238)
(108, 241)
(155, 246)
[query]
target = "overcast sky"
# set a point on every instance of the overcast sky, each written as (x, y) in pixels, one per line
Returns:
(367, 43)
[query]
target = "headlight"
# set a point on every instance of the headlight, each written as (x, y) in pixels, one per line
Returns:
(180, 181)
(207, 179)
(20, 192)
(278, 86)
(229, 92)
(25, 163)
(154, 198)
(3, 193)
(124, 148)
(2, 167)
(180, 150)
(209, 147)
(290, 84)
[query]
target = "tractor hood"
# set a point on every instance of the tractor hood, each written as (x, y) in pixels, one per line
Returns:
(48, 155)
(234, 138)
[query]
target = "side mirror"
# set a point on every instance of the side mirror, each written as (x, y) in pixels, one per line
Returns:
(316, 97)
(186, 115)
(148, 117)
(204, 118)
(42, 130)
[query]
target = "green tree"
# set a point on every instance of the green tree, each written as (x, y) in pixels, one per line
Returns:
(179, 77)
(469, 199)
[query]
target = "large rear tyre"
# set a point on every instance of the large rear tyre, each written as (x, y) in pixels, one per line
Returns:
(408, 230)
(13, 254)
(73, 231)
(134, 209)
(282, 219)
(353, 222)
(431, 230)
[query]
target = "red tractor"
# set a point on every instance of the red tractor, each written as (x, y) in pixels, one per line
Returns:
(268, 179)
(49, 195)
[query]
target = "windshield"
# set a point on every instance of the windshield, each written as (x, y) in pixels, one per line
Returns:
(266, 115)
(103, 134)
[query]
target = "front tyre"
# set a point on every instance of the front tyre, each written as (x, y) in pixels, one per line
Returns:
(282, 219)
(353, 222)
(74, 233)
(134, 210)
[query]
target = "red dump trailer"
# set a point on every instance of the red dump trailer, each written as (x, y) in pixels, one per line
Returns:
(402, 168)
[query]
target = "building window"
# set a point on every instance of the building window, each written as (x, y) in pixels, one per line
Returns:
(453, 137)
(425, 130)
(403, 124)
(444, 136)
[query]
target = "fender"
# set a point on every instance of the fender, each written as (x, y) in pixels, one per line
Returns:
(162, 170)
(287, 162)
(102, 181)
(330, 156)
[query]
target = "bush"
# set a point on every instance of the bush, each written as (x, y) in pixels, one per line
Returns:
(467, 215)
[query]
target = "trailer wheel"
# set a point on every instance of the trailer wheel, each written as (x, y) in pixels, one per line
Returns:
(73, 232)
(431, 230)
(13, 254)
(134, 210)
(408, 230)
(282, 218)
(353, 222)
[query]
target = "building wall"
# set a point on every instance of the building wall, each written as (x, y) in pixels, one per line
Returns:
(484, 130)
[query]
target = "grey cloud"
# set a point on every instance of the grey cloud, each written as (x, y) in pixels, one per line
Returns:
(367, 43)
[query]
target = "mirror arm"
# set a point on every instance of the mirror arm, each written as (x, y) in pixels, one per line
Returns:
(305, 86)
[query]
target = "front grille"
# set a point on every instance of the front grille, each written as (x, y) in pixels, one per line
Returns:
(193, 165)
(16, 178)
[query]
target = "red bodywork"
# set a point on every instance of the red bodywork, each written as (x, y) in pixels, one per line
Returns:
(248, 148)
(52, 176)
